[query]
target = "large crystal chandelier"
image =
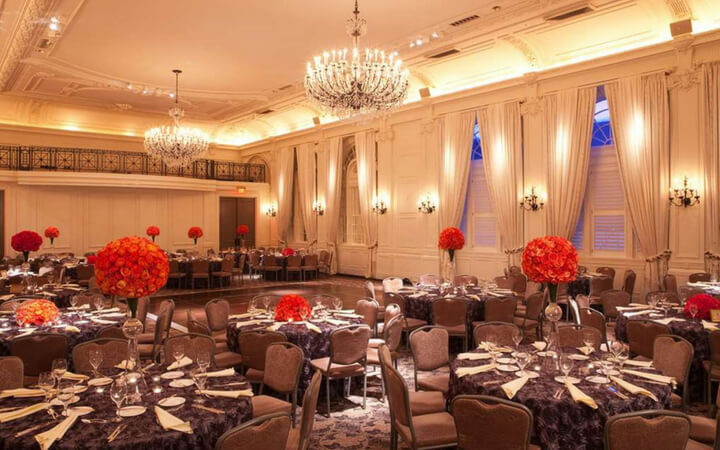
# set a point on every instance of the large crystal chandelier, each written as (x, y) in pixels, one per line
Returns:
(176, 146)
(363, 82)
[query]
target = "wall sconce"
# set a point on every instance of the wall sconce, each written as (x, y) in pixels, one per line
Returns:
(684, 196)
(318, 208)
(380, 207)
(241, 189)
(532, 201)
(271, 211)
(426, 205)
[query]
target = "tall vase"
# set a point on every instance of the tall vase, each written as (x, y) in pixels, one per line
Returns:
(153, 237)
(450, 267)
(132, 329)
(26, 255)
(553, 312)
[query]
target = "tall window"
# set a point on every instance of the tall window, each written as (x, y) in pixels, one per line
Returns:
(479, 222)
(350, 225)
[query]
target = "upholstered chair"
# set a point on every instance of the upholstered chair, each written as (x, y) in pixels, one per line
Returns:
(283, 366)
(263, 433)
(430, 352)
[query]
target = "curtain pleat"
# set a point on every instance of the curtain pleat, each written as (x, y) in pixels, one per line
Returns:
(305, 154)
(366, 166)
(284, 183)
(333, 192)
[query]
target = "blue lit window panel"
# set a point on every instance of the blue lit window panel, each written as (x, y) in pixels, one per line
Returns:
(602, 131)
(476, 147)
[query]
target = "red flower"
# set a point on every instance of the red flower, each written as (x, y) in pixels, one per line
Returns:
(52, 232)
(290, 306)
(131, 267)
(287, 251)
(195, 232)
(704, 303)
(152, 230)
(36, 312)
(451, 238)
(550, 259)
(91, 259)
(242, 230)
(26, 241)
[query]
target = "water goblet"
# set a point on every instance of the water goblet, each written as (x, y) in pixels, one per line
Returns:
(178, 352)
(118, 392)
(252, 306)
(693, 309)
(266, 303)
(588, 340)
(517, 338)
(523, 359)
(566, 365)
(96, 358)
(203, 360)
(98, 302)
(59, 367)
(65, 393)
(199, 377)
(46, 381)
(337, 304)
(74, 301)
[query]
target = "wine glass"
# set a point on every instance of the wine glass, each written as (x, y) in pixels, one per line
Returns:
(652, 300)
(252, 306)
(199, 377)
(98, 302)
(588, 340)
(46, 381)
(59, 367)
(118, 392)
(304, 313)
(523, 359)
(266, 303)
(693, 309)
(65, 393)
(203, 360)
(566, 365)
(517, 338)
(337, 304)
(73, 301)
(96, 358)
(178, 353)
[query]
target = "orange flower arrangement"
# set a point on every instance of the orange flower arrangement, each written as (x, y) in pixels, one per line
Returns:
(451, 239)
(36, 312)
(152, 231)
(52, 233)
(552, 260)
(131, 267)
(195, 233)
(290, 306)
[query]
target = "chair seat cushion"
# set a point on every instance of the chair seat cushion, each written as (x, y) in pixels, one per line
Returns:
(226, 360)
(255, 375)
(221, 274)
(702, 429)
(411, 323)
(715, 369)
(439, 383)
(695, 445)
(431, 430)
(201, 275)
(219, 336)
(526, 323)
(146, 338)
(376, 342)
(264, 404)
(293, 442)
(372, 356)
(455, 329)
(337, 370)
(426, 402)
(676, 401)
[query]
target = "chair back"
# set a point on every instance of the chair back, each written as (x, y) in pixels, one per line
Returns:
(598, 285)
(398, 397)
(629, 281)
(218, 312)
(324, 257)
(310, 400)
(270, 261)
(253, 346)
(195, 324)
(11, 372)
(647, 430)
(449, 312)
(370, 290)
(574, 308)
(368, 308)
(11, 305)
(673, 356)
(574, 336)
(266, 432)
(534, 306)
(111, 332)
(348, 345)
(504, 282)
(254, 258)
(38, 351)
(714, 339)
(642, 334)
(392, 332)
(392, 284)
(283, 366)
(430, 279)
(699, 276)
(201, 266)
(164, 320)
(85, 272)
(391, 310)
(519, 283)
(429, 346)
(495, 422)
(502, 333)
(611, 299)
(174, 266)
(227, 264)
(465, 279)
(594, 318)
(607, 271)
(670, 283)
(500, 309)
(114, 351)
(310, 260)
(294, 261)
(192, 345)
(393, 298)
(143, 304)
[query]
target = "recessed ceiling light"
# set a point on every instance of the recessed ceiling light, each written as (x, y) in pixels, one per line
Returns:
(434, 35)
(419, 41)
(412, 44)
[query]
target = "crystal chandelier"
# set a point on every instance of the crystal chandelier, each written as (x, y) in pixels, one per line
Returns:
(361, 82)
(176, 146)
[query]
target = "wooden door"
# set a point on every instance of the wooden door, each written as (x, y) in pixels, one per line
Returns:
(233, 212)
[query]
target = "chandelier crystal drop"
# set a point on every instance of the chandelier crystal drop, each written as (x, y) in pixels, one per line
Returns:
(349, 83)
(176, 146)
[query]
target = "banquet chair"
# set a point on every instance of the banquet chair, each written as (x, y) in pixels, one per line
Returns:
(410, 323)
(500, 309)
(598, 285)
(225, 272)
(37, 352)
(505, 282)
(574, 335)
(433, 430)
(264, 433)
(704, 429)
(491, 423)
(217, 313)
(84, 273)
(270, 264)
(195, 324)
(310, 265)
(324, 261)
(629, 282)
(647, 430)
(391, 310)
(519, 283)
(532, 319)
(11, 372)
(391, 341)
(148, 337)
(712, 366)
(430, 279)
(191, 344)
(699, 276)
(200, 270)
(111, 332)
(143, 304)
(663, 296)
(114, 352)
(162, 331)
(253, 349)
(429, 346)
(254, 266)
(370, 290)
(450, 314)
(672, 356)
(641, 337)
(299, 439)
(294, 265)
(670, 283)
(608, 272)
(368, 308)
(174, 272)
(459, 280)
(594, 318)
(501, 331)
(348, 357)
(611, 299)
(11, 305)
(239, 270)
(283, 366)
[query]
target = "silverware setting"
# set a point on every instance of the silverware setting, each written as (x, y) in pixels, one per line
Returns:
(119, 429)
(205, 408)
(488, 383)
(33, 428)
(559, 393)
(614, 390)
(94, 421)
(236, 383)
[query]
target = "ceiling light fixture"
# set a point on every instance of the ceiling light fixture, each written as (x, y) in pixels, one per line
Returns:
(361, 82)
(176, 146)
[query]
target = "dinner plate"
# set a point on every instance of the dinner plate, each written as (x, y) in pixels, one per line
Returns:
(99, 381)
(571, 380)
(172, 375)
(507, 368)
(131, 411)
(579, 357)
(504, 350)
(80, 410)
(56, 402)
(171, 401)
(528, 373)
(506, 361)
(79, 389)
(548, 354)
(597, 379)
(181, 383)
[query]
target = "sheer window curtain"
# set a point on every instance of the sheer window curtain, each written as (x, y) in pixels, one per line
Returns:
(366, 166)
(284, 183)
(333, 192)
(711, 154)
(455, 153)
(568, 119)
(639, 117)
(501, 137)
(305, 154)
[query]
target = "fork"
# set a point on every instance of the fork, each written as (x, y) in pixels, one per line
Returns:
(618, 393)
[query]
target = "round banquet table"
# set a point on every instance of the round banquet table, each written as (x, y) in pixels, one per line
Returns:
(143, 431)
(560, 423)
(692, 330)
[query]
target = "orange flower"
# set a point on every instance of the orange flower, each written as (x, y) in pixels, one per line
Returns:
(121, 267)
(550, 259)
(36, 312)
(290, 306)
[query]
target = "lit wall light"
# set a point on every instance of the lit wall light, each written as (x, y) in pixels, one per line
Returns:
(684, 196)
(271, 211)
(532, 201)
(427, 205)
(318, 207)
(380, 205)
(241, 189)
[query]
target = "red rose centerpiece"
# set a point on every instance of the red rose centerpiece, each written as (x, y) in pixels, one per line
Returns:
(152, 231)
(36, 312)
(287, 251)
(451, 239)
(90, 259)
(550, 260)
(699, 306)
(195, 233)
(242, 230)
(26, 242)
(292, 308)
(52, 233)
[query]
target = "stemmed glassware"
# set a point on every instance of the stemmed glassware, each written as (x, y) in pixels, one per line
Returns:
(199, 377)
(178, 353)
(517, 338)
(118, 392)
(266, 303)
(59, 367)
(203, 360)
(252, 306)
(566, 365)
(73, 301)
(96, 358)
(523, 359)
(693, 309)
(98, 302)
(337, 304)
(46, 381)
(304, 314)
(65, 393)
(588, 340)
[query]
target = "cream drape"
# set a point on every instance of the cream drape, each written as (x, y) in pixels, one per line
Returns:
(711, 154)
(333, 192)
(305, 154)
(284, 183)
(366, 167)
(567, 128)
(639, 118)
(455, 153)
(501, 137)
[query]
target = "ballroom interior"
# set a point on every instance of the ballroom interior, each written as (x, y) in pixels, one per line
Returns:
(357, 223)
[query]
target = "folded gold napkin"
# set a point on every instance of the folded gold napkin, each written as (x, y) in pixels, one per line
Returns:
(636, 363)
(652, 376)
(22, 393)
(418, 294)
(72, 329)
(78, 308)
(311, 327)
(75, 376)
(103, 321)
(170, 422)
(463, 371)
(497, 294)
(247, 323)
(221, 373)
(539, 345)
(474, 297)
(276, 326)
(636, 313)
(129, 365)
(631, 388)
(47, 438)
(246, 315)
(512, 387)
(668, 320)
(586, 350)
(709, 326)
(349, 315)
(228, 394)
(185, 361)
(18, 413)
(49, 294)
(473, 356)
(336, 322)
(24, 333)
(579, 396)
